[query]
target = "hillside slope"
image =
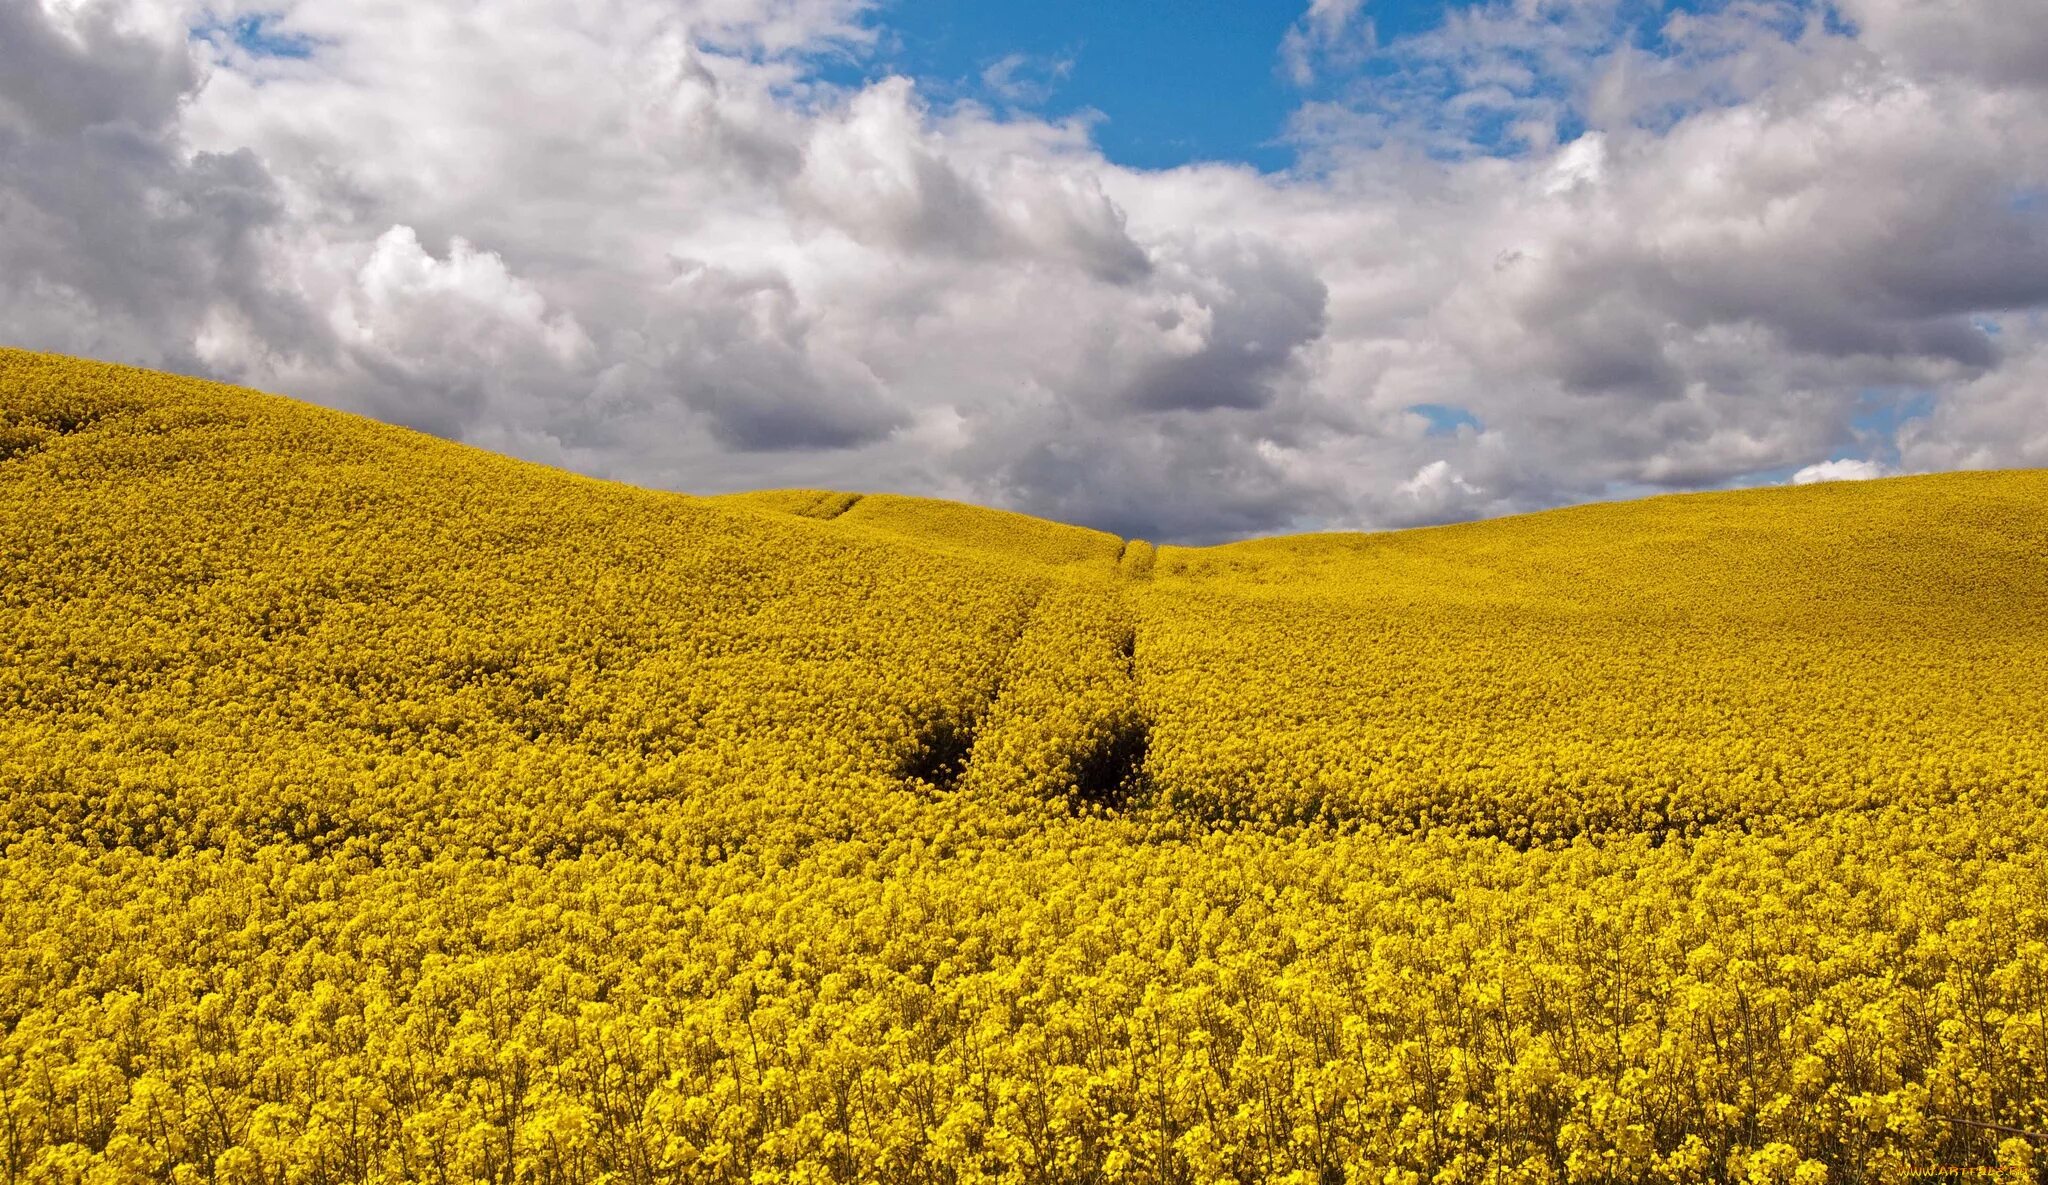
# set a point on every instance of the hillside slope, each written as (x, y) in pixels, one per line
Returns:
(1635, 667)
(378, 808)
(1632, 667)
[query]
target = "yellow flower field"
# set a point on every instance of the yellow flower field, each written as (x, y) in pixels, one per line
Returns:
(380, 809)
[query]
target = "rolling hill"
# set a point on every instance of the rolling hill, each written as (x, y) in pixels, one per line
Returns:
(376, 808)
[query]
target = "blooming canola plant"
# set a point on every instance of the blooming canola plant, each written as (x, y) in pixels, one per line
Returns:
(376, 808)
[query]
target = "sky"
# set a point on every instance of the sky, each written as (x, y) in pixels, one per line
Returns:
(1186, 272)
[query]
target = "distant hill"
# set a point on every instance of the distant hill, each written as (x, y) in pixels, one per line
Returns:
(380, 808)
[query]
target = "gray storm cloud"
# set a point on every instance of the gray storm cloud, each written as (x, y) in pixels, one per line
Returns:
(653, 245)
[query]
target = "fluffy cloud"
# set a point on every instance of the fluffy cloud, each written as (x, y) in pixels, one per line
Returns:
(1998, 419)
(116, 238)
(1847, 469)
(1322, 31)
(644, 239)
(2002, 42)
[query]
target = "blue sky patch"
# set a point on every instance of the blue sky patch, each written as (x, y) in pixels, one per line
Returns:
(1880, 413)
(257, 34)
(1444, 419)
(1203, 80)
(1173, 84)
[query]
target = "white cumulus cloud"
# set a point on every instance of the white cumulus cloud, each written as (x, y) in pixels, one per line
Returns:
(647, 239)
(1843, 469)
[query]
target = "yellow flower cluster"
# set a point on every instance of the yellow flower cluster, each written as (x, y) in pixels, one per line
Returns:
(1654, 666)
(374, 809)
